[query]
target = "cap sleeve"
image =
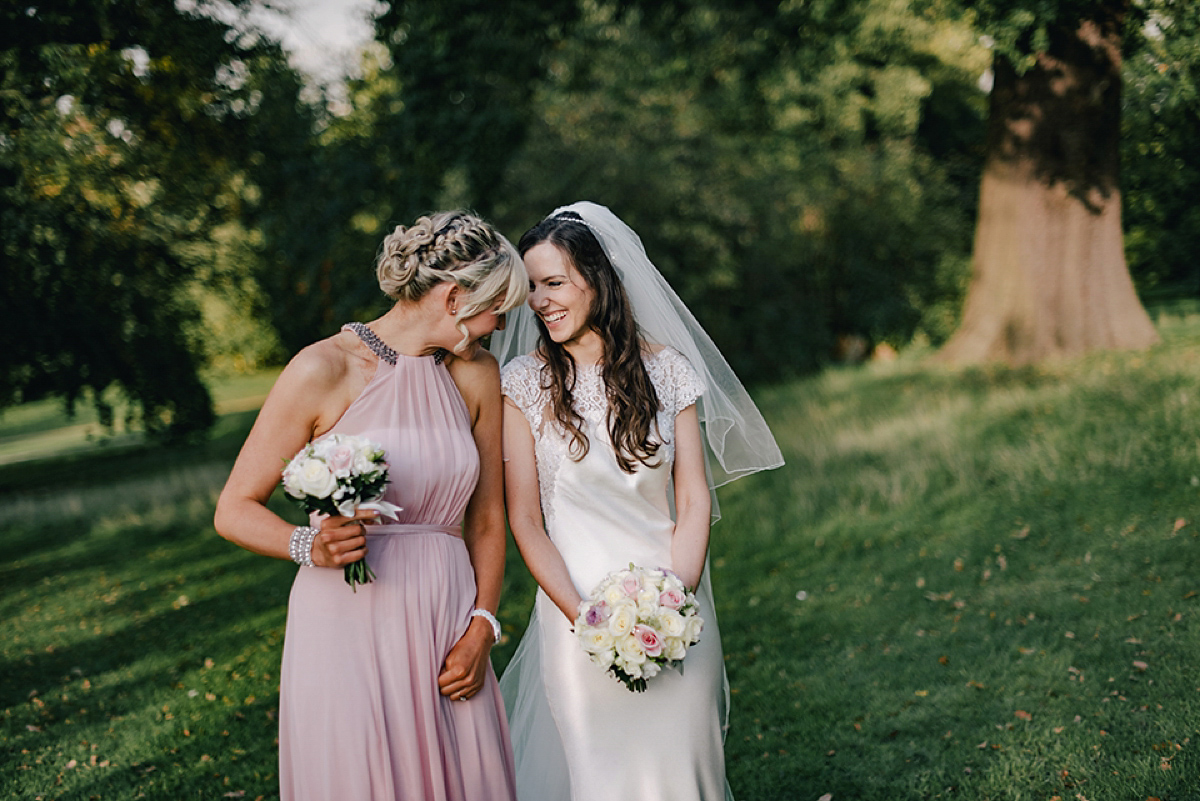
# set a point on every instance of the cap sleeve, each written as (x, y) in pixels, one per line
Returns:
(685, 384)
(520, 380)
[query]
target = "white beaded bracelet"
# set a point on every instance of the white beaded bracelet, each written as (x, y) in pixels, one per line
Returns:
(490, 618)
(300, 545)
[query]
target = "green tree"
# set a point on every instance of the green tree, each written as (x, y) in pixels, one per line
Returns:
(788, 166)
(1159, 167)
(119, 138)
(1050, 276)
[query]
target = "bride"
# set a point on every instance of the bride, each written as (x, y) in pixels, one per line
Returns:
(613, 394)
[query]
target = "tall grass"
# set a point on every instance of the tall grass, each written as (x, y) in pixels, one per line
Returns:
(974, 584)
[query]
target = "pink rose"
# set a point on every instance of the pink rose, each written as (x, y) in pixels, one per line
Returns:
(672, 598)
(632, 585)
(651, 643)
(342, 458)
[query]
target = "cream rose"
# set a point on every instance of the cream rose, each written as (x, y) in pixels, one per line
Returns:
(674, 649)
(629, 650)
(315, 478)
(596, 641)
(622, 619)
(613, 594)
(671, 623)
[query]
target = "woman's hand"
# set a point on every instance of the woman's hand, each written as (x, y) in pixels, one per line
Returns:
(466, 665)
(343, 540)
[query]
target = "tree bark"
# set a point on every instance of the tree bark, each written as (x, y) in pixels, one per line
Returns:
(1049, 273)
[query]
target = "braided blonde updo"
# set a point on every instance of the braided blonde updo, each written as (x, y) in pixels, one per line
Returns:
(453, 246)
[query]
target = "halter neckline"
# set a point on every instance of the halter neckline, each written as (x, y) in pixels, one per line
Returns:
(381, 349)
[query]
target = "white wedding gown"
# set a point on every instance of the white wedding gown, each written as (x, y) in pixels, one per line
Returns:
(577, 732)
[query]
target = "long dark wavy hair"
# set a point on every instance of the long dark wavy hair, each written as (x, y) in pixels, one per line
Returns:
(632, 402)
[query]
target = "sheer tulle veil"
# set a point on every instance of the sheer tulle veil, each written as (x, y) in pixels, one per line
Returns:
(738, 440)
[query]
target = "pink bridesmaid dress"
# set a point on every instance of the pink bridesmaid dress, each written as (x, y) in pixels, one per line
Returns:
(360, 717)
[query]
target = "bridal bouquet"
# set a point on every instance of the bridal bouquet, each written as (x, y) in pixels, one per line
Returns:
(637, 622)
(338, 475)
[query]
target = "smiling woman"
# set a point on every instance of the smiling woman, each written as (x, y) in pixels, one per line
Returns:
(605, 469)
(389, 666)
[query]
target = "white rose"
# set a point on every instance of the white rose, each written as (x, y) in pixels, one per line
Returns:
(613, 594)
(671, 623)
(365, 460)
(694, 626)
(622, 619)
(605, 658)
(650, 670)
(629, 650)
(632, 668)
(674, 649)
(596, 641)
(673, 581)
(313, 477)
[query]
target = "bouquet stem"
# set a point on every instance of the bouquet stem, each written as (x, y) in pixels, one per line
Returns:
(357, 573)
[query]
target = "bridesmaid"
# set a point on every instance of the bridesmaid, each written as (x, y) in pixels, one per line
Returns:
(388, 693)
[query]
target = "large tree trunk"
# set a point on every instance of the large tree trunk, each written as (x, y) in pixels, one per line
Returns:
(1049, 273)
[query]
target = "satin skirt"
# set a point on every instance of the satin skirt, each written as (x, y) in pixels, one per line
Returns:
(580, 735)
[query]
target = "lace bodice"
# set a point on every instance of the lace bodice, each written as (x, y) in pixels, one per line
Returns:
(676, 383)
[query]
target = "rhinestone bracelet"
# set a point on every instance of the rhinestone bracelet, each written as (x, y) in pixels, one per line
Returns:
(490, 618)
(300, 545)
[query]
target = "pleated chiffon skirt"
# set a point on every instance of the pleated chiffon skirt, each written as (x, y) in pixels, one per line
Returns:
(361, 717)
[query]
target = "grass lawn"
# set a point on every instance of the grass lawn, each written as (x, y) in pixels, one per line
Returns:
(967, 584)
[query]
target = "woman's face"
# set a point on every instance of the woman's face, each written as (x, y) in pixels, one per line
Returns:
(558, 294)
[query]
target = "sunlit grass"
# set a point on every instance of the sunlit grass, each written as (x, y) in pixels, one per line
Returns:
(44, 428)
(973, 584)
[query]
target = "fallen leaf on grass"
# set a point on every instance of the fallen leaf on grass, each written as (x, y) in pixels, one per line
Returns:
(1023, 715)
(1140, 665)
(826, 797)
(1059, 729)
(1179, 523)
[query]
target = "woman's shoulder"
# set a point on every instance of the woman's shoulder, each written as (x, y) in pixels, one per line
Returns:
(668, 358)
(521, 379)
(525, 363)
(325, 362)
(477, 374)
(522, 368)
(674, 377)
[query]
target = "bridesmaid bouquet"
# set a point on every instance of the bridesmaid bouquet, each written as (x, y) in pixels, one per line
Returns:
(637, 622)
(338, 475)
